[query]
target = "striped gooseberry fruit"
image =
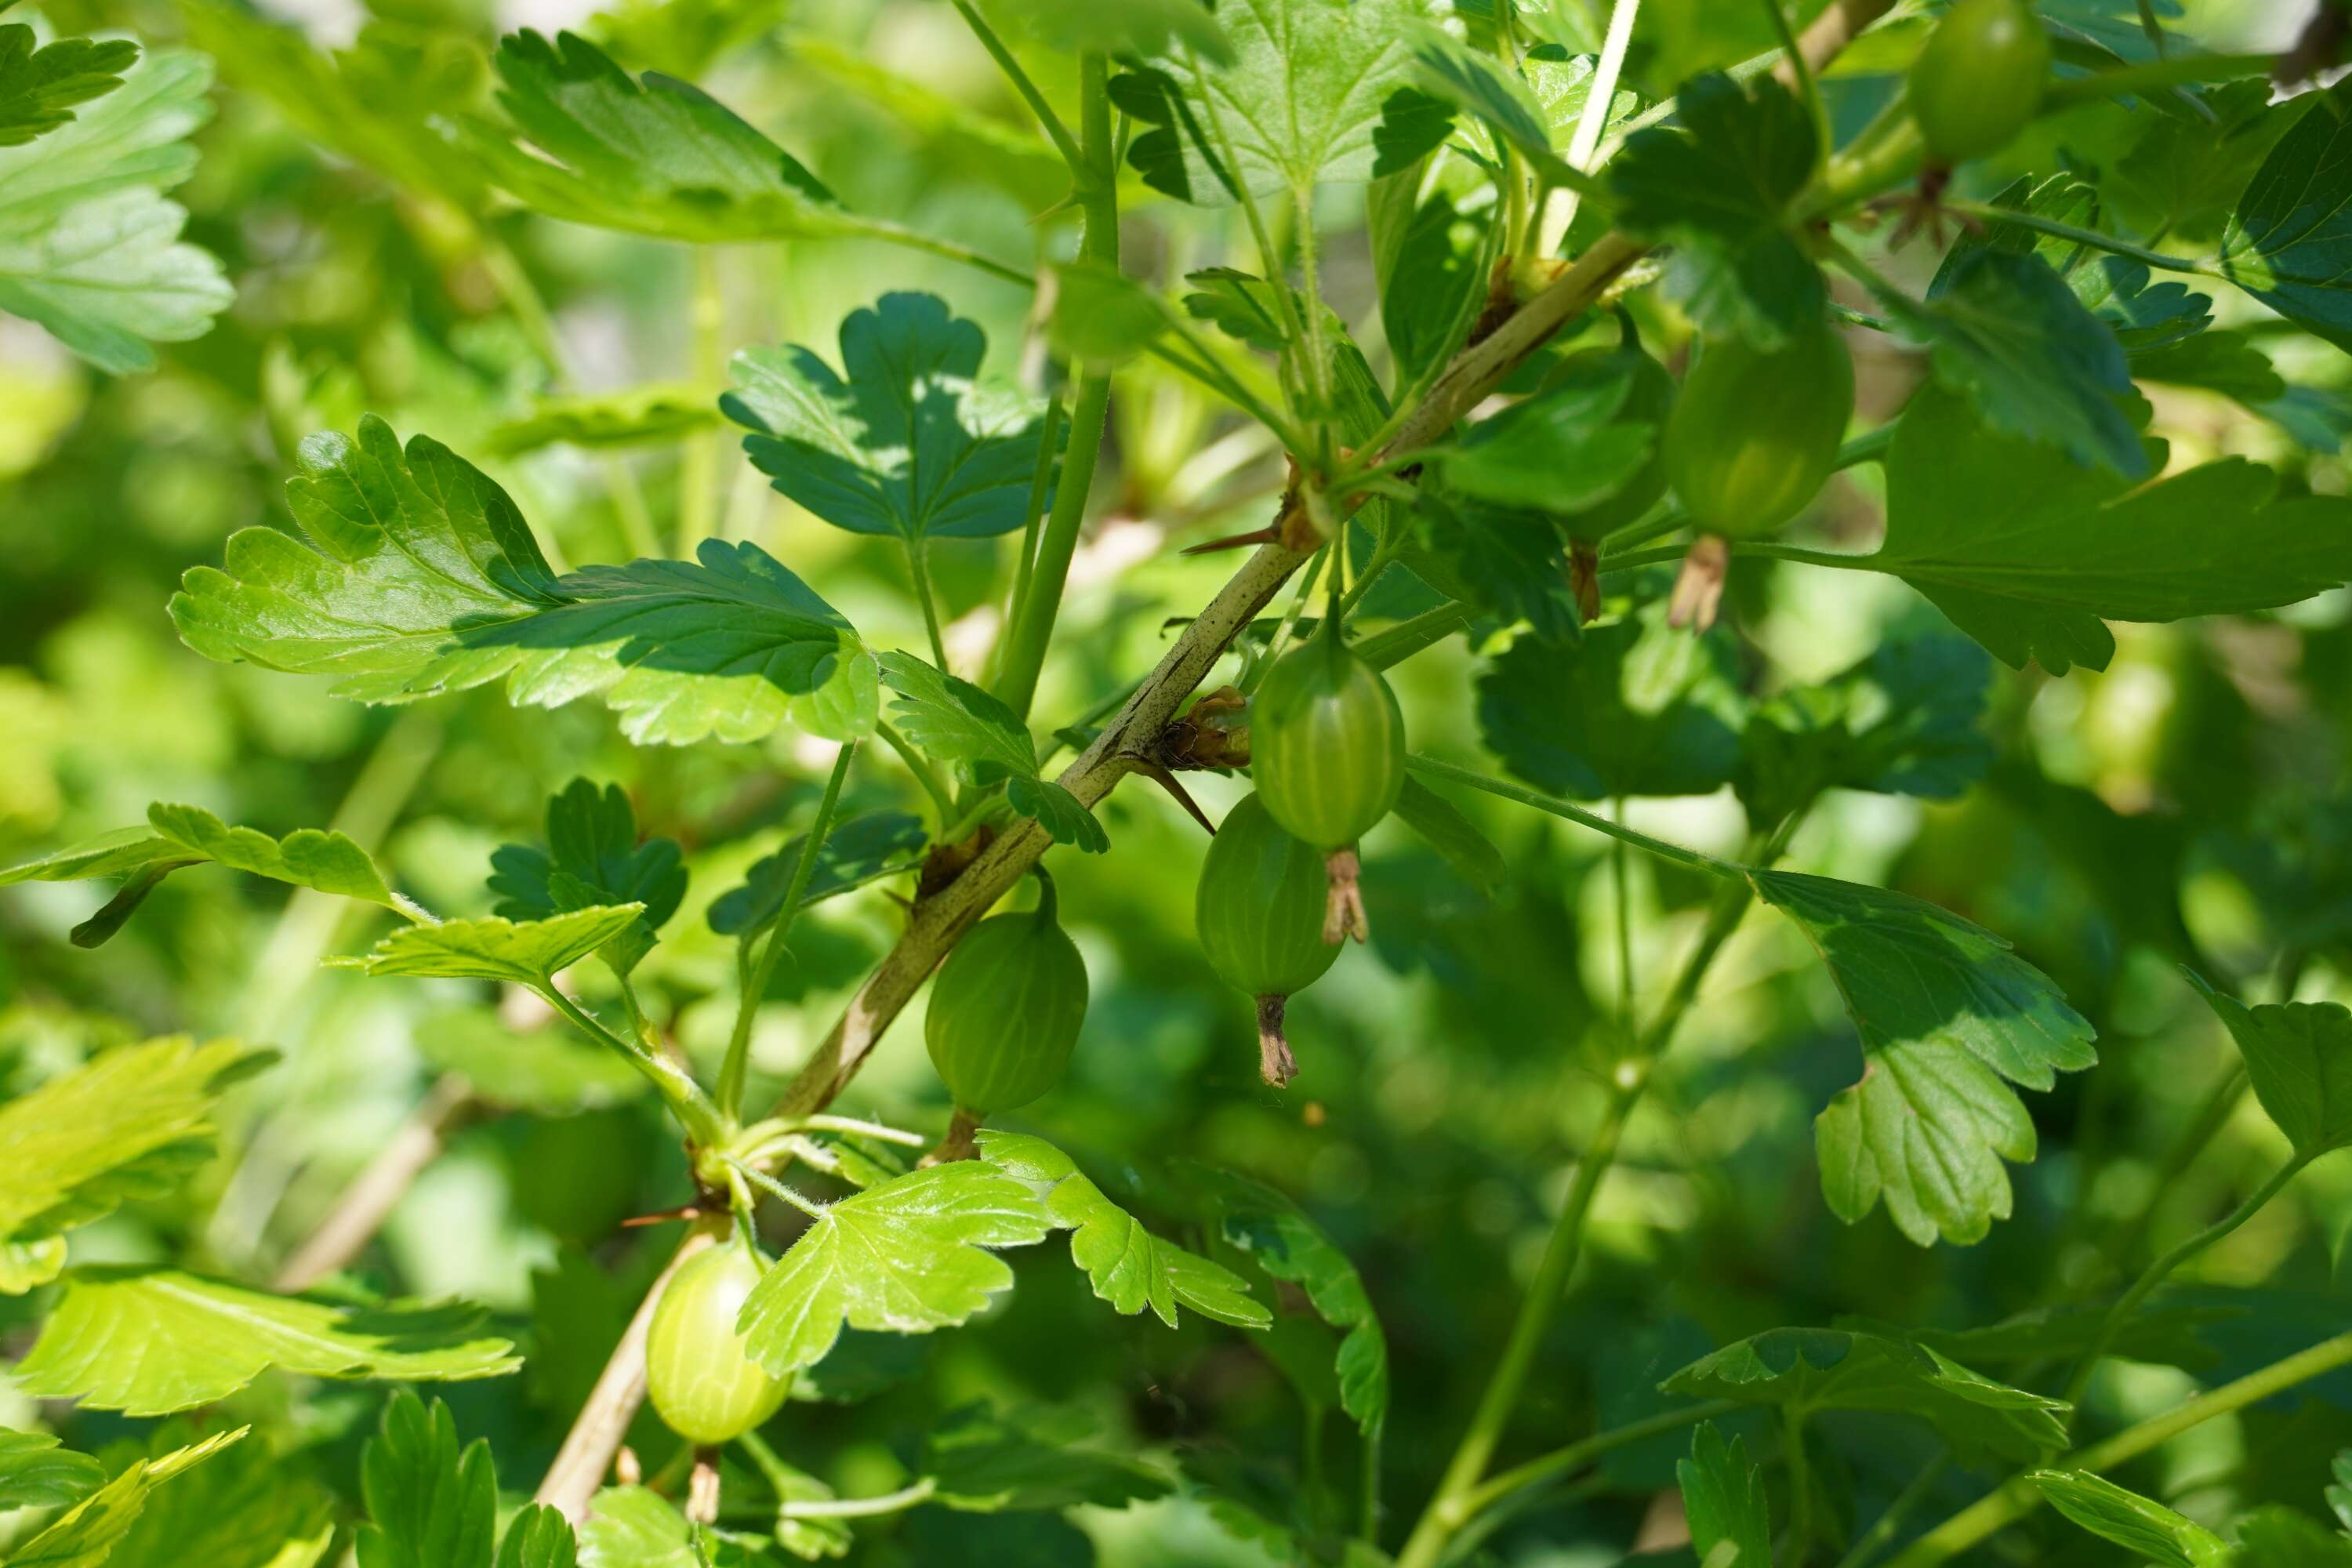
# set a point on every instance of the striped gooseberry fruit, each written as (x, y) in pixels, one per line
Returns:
(1327, 751)
(1005, 1010)
(699, 1375)
(1259, 915)
(1980, 78)
(1753, 437)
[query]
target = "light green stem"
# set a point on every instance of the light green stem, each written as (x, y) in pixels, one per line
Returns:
(762, 969)
(1430, 767)
(2120, 1313)
(1055, 131)
(918, 567)
(698, 470)
(1561, 1462)
(676, 1087)
(920, 766)
(2019, 1497)
(1025, 656)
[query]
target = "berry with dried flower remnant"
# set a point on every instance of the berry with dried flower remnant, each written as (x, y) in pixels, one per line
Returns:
(1327, 750)
(1259, 914)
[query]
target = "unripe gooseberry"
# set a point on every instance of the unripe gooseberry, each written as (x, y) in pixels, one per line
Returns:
(698, 1373)
(1980, 78)
(1327, 751)
(1005, 1010)
(1259, 914)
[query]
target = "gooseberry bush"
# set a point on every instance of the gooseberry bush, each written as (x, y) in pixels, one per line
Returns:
(1654, 571)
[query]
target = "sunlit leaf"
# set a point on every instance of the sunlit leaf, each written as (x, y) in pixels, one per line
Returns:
(132, 1123)
(1949, 1017)
(88, 247)
(147, 1341)
(521, 952)
(908, 1257)
(1316, 90)
(87, 1535)
(430, 1505)
(425, 579)
(246, 1508)
(1130, 1267)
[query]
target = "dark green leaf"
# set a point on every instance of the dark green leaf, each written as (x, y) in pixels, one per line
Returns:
(906, 440)
(425, 579)
(2219, 362)
(1281, 1239)
(2278, 1537)
(431, 1505)
(1440, 823)
(1809, 1371)
(872, 844)
(1636, 709)
(39, 86)
(1903, 720)
(2028, 551)
(148, 1341)
(957, 721)
(593, 856)
(1434, 272)
(987, 1461)
(2299, 1059)
(1946, 1012)
(1719, 189)
(1723, 1499)
(2285, 241)
(2187, 171)
(1562, 450)
(2008, 334)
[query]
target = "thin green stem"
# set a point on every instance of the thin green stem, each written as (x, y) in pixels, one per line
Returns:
(693, 1109)
(2212, 1113)
(1561, 1462)
(1451, 1509)
(1621, 885)
(922, 767)
(2019, 1496)
(1986, 212)
(1600, 92)
(905, 1497)
(2157, 1272)
(1024, 656)
(918, 567)
(1318, 355)
(1881, 1530)
(735, 1068)
(950, 249)
(2137, 81)
(1033, 514)
(824, 1123)
(1055, 131)
(1289, 622)
(1801, 1486)
(774, 1188)
(1430, 767)
(1388, 649)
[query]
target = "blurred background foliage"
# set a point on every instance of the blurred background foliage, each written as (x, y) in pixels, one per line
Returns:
(2192, 804)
